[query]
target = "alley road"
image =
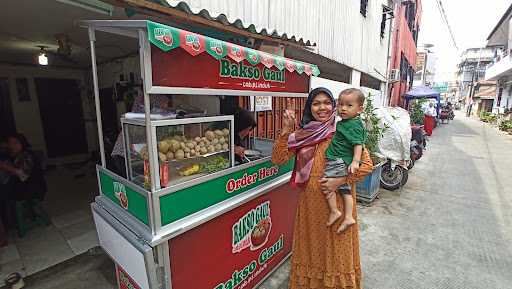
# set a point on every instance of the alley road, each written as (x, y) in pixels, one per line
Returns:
(451, 225)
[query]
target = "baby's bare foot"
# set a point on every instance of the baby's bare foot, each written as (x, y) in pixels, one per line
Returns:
(333, 217)
(347, 222)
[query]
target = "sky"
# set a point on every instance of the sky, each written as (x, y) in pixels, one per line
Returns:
(471, 22)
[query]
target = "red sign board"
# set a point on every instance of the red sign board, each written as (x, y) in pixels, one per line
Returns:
(237, 249)
(177, 68)
(124, 280)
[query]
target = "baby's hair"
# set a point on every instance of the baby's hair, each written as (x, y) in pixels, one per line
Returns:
(357, 92)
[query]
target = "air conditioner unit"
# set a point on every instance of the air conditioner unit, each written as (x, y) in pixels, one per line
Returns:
(394, 75)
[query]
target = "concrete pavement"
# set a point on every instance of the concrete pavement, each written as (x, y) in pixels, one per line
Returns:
(449, 227)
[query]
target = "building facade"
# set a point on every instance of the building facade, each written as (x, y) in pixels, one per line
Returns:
(425, 68)
(471, 69)
(404, 44)
(500, 69)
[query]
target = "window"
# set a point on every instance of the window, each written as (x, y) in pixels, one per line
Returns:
(387, 14)
(364, 7)
(410, 14)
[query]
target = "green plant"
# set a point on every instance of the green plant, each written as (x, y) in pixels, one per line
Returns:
(373, 129)
(487, 117)
(506, 125)
(417, 114)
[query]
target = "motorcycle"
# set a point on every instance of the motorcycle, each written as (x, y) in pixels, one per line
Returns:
(418, 144)
(394, 146)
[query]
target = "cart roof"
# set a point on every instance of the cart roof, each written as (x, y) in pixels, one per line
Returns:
(168, 38)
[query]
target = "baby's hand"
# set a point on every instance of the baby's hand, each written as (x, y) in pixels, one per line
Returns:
(354, 167)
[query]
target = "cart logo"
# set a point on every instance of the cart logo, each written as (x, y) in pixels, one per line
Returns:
(252, 230)
(164, 35)
(216, 46)
(193, 41)
(120, 193)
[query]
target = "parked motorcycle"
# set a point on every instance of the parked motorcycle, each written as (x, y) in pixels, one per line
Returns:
(396, 173)
(394, 146)
(418, 144)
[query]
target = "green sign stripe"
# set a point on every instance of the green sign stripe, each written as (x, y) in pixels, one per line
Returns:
(185, 202)
(137, 203)
(167, 38)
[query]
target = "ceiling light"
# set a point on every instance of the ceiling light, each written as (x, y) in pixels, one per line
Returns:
(42, 58)
(91, 5)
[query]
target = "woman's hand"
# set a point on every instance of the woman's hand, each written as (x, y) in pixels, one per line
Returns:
(288, 121)
(331, 184)
(240, 151)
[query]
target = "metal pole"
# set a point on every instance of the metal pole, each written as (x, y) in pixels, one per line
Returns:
(388, 58)
(424, 72)
(153, 159)
(92, 39)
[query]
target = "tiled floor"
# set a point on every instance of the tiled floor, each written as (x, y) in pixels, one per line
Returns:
(71, 232)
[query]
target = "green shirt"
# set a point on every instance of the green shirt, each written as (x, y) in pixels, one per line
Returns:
(349, 132)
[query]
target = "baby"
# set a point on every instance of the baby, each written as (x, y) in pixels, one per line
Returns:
(344, 153)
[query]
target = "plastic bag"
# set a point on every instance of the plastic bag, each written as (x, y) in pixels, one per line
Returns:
(396, 139)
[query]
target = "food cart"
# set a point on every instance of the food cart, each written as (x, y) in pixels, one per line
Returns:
(187, 216)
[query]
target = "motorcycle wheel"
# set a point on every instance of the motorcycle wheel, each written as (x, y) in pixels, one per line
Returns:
(393, 179)
(411, 164)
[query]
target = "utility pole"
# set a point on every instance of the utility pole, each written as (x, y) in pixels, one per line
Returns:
(391, 15)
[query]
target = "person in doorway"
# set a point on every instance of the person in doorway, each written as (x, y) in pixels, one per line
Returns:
(26, 175)
(344, 153)
(159, 104)
(244, 124)
(321, 257)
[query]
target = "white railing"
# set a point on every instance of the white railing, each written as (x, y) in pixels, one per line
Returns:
(500, 67)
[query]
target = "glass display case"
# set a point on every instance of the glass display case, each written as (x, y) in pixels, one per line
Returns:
(185, 148)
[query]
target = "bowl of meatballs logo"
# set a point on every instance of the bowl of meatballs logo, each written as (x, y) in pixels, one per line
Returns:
(260, 233)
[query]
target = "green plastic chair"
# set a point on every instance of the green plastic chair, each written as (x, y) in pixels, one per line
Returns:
(30, 214)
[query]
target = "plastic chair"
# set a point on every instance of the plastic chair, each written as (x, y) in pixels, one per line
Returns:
(30, 214)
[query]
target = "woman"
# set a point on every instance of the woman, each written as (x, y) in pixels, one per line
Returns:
(244, 123)
(26, 179)
(321, 258)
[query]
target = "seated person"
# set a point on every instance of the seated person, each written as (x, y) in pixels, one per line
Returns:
(26, 177)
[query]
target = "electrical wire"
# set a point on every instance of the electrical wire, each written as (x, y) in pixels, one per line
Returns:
(445, 19)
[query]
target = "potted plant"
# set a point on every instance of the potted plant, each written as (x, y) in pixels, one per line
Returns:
(368, 189)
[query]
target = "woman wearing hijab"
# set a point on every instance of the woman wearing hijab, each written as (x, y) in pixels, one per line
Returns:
(321, 258)
(244, 123)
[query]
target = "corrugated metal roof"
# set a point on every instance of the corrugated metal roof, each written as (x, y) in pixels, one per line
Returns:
(235, 22)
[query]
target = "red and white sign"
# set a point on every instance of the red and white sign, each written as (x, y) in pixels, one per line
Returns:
(239, 248)
(177, 68)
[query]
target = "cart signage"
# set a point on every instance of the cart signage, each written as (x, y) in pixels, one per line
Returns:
(193, 199)
(224, 65)
(124, 280)
(252, 230)
(120, 192)
(251, 241)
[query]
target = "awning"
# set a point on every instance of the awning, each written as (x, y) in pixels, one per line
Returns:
(487, 93)
(423, 92)
(168, 38)
(184, 10)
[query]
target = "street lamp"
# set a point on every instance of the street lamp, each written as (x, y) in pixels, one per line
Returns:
(426, 47)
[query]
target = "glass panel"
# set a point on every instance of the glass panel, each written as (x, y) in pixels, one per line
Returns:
(189, 151)
(137, 153)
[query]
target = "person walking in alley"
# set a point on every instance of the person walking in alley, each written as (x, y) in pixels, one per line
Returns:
(321, 257)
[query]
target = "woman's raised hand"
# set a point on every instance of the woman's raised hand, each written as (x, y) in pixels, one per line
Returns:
(288, 121)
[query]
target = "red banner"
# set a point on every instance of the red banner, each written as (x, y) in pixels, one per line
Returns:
(177, 68)
(237, 249)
